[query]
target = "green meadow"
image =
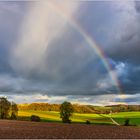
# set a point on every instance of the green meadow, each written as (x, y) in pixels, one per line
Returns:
(51, 116)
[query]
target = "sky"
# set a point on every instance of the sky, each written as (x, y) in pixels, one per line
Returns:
(85, 52)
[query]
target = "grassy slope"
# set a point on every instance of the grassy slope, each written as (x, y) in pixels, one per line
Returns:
(133, 116)
(94, 118)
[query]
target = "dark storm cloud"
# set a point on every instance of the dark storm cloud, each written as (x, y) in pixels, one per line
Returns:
(10, 19)
(69, 66)
(116, 29)
(137, 6)
(126, 46)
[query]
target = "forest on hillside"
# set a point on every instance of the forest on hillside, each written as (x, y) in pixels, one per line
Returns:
(80, 108)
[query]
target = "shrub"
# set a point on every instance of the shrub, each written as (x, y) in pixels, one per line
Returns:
(35, 118)
(66, 120)
(126, 122)
(13, 116)
(88, 122)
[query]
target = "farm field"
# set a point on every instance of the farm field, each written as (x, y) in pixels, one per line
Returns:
(50, 116)
(43, 130)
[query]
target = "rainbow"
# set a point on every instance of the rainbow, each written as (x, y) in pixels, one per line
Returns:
(91, 42)
(99, 52)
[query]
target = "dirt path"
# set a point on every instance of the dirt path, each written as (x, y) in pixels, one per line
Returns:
(22, 129)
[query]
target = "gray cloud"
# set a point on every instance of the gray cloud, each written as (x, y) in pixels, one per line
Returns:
(137, 6)
(49, 57)
(66, 62)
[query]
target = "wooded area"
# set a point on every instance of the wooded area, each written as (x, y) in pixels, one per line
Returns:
(80, 108)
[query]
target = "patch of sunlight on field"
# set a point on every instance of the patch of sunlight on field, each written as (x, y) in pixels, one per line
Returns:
(127, 115)
(81, 118)
(86, 115)
(42, 114)
(55, 116)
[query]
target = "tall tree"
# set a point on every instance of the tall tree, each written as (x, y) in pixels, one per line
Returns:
(14, 111)
(4, 107)
(66, 111)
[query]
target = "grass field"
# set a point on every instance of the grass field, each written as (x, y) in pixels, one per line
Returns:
(50, 116)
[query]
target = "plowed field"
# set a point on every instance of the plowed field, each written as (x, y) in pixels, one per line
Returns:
(33, 130)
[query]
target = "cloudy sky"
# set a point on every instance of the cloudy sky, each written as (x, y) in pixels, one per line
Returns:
(81, 51)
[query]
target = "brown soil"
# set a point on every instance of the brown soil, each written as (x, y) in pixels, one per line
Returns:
(34, 130)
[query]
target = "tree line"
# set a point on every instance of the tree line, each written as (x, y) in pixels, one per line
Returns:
(53, 107)
(8, 109)
(77, 108)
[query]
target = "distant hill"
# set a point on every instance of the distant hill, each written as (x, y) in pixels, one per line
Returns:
(54, 107)
(123, 107)
(80, 108)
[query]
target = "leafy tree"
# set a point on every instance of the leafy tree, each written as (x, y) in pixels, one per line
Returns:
(14, 111)
(4, 107)
(66, 110)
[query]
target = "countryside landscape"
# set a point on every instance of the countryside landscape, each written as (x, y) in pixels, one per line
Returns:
(69, 69)
(82, 113)
(66, 119)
